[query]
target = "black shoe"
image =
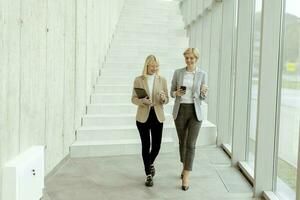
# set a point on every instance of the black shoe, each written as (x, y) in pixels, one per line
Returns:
(152, 170)
(149, 181)
(185, 188)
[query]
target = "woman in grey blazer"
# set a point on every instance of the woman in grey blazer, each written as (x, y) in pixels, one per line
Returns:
(189, 89)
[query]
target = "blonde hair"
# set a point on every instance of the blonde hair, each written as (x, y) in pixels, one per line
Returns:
(193, 51)
(150, 59)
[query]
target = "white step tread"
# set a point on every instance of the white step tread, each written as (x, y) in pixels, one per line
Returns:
(205, 123)
(113, 85)
(171, 102)
(106, 132)
(114, 115)
(121, 104)
(88, 128)
(119, 93)
(113, 142)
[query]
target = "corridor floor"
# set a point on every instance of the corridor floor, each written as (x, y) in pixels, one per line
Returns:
(121, 178)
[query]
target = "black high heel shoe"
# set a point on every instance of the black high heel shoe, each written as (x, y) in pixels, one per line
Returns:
(185, 188)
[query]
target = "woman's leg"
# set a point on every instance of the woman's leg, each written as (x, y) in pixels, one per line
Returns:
(181, 129)
(193, 131)
(145, 140)
(193, 127)
(185, 179)
(156, 135)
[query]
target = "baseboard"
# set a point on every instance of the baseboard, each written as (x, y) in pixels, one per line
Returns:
(57, 167)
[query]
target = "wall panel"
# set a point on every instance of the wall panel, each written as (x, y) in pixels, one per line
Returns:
(50, 55)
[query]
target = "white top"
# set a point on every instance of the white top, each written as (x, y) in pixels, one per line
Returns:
(188, 81)
(150, 81)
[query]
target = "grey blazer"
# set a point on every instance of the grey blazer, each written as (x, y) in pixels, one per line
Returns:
(200, 78)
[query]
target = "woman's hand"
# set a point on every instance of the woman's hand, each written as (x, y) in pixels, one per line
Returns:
(162, 95)
(147, 101)
(179, 92)
(203, 90)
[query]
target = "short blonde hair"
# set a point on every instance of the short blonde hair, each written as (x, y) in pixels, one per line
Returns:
(193, 51)
(150, 59)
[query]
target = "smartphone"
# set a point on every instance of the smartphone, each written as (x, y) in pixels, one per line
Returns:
(183, 88)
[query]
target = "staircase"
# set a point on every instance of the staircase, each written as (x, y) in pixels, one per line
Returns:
(108, 128)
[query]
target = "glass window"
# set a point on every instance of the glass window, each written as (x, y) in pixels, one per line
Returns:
(233, 71)
(290, 103)
(255, 75)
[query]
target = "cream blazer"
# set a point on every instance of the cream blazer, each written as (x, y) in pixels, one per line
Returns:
(143, 110)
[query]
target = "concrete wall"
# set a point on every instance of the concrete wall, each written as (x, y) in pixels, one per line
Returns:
(50, 55)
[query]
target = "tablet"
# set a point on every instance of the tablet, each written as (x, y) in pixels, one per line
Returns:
(140, 92)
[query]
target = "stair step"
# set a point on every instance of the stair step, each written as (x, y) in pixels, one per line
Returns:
(154, 47)
(118, 80)
(140, 50)
(118, 109)
(172, 21)
(150, 3)
(154, 15)
(157, 32)
(178, 56)
(182, 43)
(135, 66)
(109, 127)
(151, 12)
(178, 33)
(164, 57)
(129, 72)
(107, 71)
(143, 53)
(132, 21)
(115, 120)
(133, 32)
(115, 98)
(149, 37)
(115, 133)
(113, 147)
(144, 6)
(86, 147)
(167, 23)
(207, 133)
(113, 88)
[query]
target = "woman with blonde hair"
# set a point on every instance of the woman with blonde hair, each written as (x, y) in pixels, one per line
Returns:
(189, 89)
(150, 93)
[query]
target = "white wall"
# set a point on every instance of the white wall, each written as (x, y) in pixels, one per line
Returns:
(50, 55)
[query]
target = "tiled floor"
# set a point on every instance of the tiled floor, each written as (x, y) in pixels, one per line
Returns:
(122, 178)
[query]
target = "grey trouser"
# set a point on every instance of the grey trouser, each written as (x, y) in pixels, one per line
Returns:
(187, 126)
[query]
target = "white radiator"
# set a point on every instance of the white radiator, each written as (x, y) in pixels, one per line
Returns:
(23, 177)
